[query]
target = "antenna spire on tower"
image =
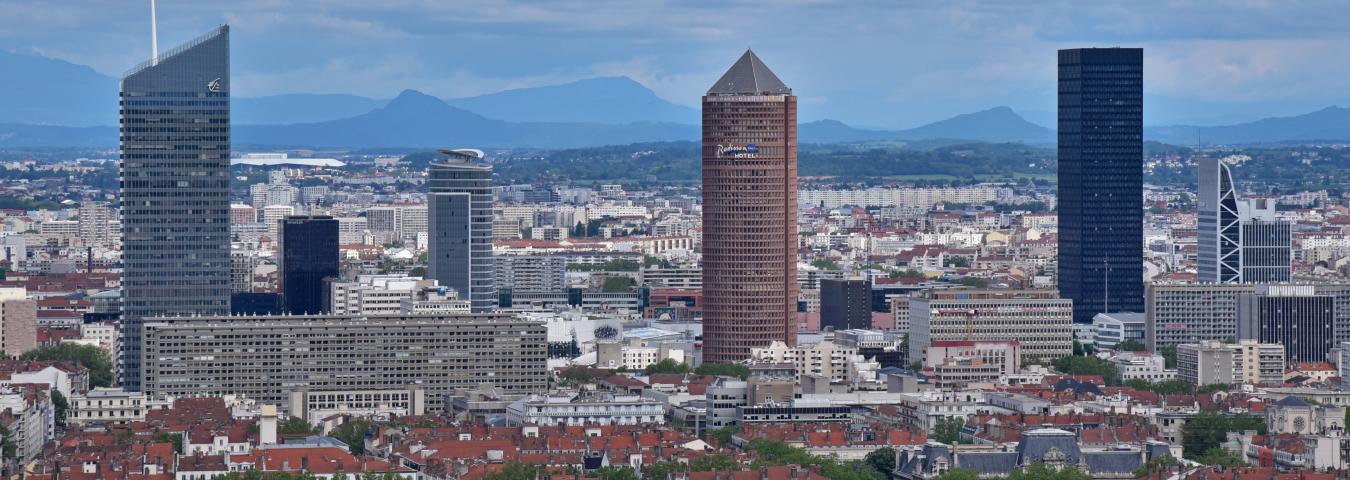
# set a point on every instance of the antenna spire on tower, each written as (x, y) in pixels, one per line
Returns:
(154, 36)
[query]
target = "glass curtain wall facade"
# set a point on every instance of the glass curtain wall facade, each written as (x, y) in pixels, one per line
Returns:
(309, 256)
(1101, 155)
(175, 144)
(459, 194)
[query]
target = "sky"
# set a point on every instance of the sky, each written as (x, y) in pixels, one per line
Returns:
(891, 64)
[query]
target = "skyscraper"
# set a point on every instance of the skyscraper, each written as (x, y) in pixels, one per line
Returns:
(1239, 241)
(1101, 189)
(749, 212)
(1295, 316)
(309, 254)
(459, 197)
(845, 303)
(175, 136)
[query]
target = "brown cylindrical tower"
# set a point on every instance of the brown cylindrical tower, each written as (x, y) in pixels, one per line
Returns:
(749, 212)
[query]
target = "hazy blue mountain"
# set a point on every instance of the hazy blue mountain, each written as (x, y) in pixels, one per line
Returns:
(999, 124)
(415, 119)
(20, 136)
(298, 108)
(38, 90)
(609, 100)
(1328, 124)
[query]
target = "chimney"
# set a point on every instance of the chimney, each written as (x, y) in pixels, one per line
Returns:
(267, 425)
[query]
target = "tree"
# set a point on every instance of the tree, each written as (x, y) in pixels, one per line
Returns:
(662, 470)
(722, 435)
(61, 404)
(1169, 354)
(579, 231)
(956, 262)
(1077, 365)
(825, 264)
(618, 284)
(882, 460)
(948, 430)
(175, 438)
(1208, 430)
(518, 471)
(716, 462)
(93, 358)
(974, 282)
(1041, 471)
(418, 271)
(1211, 388)
(910, 273)
(1165, 387)
(1217, 456)
(724, 369)
(959, 474)
(295, 426)
(1131, 345)
(615, 473)
(353, 433)
(667, 365)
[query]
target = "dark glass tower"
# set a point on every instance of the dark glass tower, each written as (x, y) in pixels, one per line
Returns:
(309, 254)
(459, 218)
(845, 304)
(749, 212)
(175, 137)
(1101, 189)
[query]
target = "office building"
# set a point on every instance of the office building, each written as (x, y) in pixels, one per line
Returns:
(826, 359)
(309, 256)
(1291, 315)
(175, 140)
(1039, 320)
(957, 363)
(1239, 241)
(845, 304)
(1101, 216)
(266, 358)
(1109, 329)
(586, 408)
(749, 212)
(1190, 312)
(459, 191)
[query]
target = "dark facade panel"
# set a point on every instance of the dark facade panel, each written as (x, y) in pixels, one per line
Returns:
(309, 256)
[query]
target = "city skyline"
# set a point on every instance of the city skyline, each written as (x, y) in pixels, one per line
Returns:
(976, 55)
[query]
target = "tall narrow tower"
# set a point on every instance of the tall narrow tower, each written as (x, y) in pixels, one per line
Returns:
(749, 212)
(1101, 180)
(459, 219)
(175, 131)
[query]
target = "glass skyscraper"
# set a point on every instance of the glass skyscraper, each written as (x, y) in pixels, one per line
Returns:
(309, 255)
(1101, 189)
(175, 139)
(1239, 241)
(459, 216)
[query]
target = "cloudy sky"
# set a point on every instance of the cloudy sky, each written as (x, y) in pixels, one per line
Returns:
(873, 63)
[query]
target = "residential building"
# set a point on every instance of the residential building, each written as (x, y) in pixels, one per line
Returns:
(108, 405)
(825, 359)
(1100, 198)
(175, 153)
(459, 191)
(845, 304)
(18, 321)
(1214, 362)
(1039, 320)
(749, 212)
(313, 407)
(530, 273)
(1141, 366)
(586, 408)
(956, 363)
(266, 357)
(309, 257)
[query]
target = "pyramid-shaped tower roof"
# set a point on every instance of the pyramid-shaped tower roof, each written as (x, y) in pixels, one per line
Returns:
(749, 76)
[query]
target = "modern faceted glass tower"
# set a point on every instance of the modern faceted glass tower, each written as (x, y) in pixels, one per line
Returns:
(175, 138)
(1101, 180)
(749, 212)
(1239, 241)
(459, 219)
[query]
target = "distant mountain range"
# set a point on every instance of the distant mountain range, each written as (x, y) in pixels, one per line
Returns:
(60, 104)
